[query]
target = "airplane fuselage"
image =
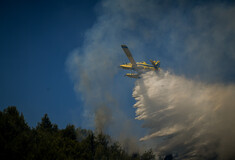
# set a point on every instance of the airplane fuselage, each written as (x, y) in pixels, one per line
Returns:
(139, 66)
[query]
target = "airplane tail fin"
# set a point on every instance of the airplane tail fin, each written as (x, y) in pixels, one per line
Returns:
(156, 64)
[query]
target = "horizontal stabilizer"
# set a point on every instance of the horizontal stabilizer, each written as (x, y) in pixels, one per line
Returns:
(155, 64)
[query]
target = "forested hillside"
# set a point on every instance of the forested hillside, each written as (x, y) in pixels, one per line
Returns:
(46, 141)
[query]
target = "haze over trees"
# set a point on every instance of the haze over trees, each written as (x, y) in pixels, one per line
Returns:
(46, 141)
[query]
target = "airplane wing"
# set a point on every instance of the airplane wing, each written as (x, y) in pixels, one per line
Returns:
(129, 56)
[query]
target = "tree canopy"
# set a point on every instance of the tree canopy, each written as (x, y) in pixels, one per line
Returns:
(46, 141)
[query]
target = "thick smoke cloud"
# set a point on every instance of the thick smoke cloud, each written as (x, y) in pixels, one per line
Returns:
(192, 119)
(194, 40)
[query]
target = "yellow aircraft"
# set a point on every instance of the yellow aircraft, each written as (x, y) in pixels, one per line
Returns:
(139, 67)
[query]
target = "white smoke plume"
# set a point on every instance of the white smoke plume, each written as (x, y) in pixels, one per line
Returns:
(190, 38)
(195, 120)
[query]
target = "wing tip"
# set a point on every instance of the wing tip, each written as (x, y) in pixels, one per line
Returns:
(124, 46)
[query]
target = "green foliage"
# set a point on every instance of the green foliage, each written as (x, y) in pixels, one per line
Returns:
(148, 155)
(14, 135)
(82, 134)
(46, 125)
(69, 132)
(46, 141)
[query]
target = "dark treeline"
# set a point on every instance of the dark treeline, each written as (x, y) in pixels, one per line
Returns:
(46, 141)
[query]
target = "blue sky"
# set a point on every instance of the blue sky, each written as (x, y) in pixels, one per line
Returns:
(36, 38)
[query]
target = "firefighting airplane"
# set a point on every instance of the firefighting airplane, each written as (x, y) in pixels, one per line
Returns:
(139, 67)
